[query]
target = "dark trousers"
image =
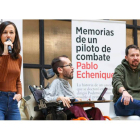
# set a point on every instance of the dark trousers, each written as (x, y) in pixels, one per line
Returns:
(127, 110)
(94, 113)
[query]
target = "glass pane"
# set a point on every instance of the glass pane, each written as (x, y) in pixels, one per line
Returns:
(129, 37)
(138, 22)
(31, 41)
(31, 77)
(57, 39)
(127, 21)
(138, 31)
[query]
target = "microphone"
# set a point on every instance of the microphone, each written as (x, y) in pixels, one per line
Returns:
(9, 47)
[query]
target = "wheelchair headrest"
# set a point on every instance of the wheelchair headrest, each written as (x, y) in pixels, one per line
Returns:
(47, 74)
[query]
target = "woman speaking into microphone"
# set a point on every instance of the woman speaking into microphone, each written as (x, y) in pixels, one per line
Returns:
(10, 67)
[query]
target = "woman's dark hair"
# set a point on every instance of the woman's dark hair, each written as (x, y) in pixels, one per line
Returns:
(130, 47)
(57, 62)
(16, 44)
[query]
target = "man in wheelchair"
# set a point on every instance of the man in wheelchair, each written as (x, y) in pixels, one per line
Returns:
(60, 90)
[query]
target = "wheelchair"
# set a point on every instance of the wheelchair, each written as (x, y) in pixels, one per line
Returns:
(50, 110)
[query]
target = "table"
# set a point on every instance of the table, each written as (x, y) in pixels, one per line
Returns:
(90, 103)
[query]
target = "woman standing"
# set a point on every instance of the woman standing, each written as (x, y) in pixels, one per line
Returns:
(10, 67)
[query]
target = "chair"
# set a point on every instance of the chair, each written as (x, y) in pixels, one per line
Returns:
(114, 117)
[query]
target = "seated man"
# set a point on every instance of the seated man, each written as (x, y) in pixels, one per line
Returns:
(60, 89)
(126, 84)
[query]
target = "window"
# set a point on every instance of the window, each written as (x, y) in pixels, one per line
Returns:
(45, 39)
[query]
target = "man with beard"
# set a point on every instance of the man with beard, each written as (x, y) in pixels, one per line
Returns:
(126, 84)
(60, 90)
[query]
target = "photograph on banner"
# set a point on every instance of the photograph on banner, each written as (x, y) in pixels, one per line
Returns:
(97, 47)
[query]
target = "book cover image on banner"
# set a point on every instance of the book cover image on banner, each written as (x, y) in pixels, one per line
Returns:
(97, 48)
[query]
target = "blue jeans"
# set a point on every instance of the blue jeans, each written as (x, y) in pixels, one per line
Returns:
(127, 110)
(8, 107)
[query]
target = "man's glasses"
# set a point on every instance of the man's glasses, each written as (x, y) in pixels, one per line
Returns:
(66, 66)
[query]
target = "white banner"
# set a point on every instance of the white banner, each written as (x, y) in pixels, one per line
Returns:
(97, 48)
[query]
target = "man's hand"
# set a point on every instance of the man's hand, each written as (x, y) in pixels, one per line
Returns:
(66, 101)
(127, 97)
